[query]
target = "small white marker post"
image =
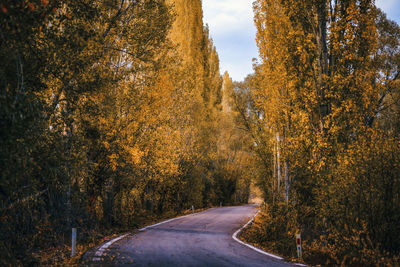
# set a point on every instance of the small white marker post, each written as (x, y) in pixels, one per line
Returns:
(73, 243)
(192, 209)
(220, 204)
(298, 242)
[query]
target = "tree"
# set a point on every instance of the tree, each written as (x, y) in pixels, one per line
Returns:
(326, 68)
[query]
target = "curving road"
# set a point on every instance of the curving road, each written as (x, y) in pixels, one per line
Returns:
(201, 239)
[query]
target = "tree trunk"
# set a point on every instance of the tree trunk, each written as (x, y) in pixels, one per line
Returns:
(274, 178)
(321, 34)
(287, 183)
(278, 160)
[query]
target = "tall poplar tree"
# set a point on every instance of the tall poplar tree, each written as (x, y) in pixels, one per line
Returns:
(323, 85)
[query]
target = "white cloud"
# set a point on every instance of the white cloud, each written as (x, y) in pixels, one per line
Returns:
(387, 4)
(228, 15)
(232, 29)
(391, 8)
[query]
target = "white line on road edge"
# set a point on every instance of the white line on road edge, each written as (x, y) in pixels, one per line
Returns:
(173, 219)
(170, 220)
(234, 236)
(100, 251)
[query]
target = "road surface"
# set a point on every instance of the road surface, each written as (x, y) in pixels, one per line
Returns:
(202, 239)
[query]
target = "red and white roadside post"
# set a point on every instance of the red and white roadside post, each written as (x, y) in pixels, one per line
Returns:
(298, 243)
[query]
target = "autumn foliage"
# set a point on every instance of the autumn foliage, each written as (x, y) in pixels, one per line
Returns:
(325, 96)
(109, 119)
(114, 114)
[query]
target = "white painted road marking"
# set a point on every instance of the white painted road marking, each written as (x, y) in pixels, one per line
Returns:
(170, 220)
(99, 253)
(234, 236)
(173, 219)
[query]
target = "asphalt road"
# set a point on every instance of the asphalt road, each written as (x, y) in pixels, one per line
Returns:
(202, 239)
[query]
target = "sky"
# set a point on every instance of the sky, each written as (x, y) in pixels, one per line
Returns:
(233, 31)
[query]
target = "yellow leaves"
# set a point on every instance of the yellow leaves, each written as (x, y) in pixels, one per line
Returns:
(106, 145)
(323, 112)
(113, 159)
(168, 166)
(135, 154)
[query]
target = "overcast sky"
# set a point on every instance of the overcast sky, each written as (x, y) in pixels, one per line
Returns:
(232, 29)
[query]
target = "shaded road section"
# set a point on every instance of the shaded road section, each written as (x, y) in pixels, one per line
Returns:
(202, 239)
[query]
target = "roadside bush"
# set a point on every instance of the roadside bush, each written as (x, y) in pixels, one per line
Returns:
(360, 204)
(274, 229)
(355, 219)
